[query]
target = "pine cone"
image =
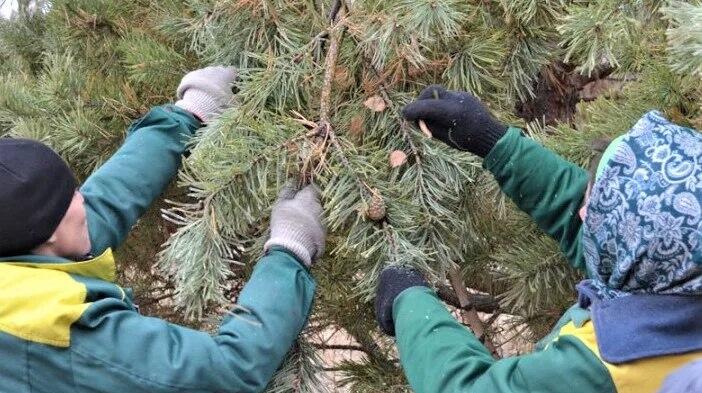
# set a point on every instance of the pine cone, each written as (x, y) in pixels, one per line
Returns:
(376, 209)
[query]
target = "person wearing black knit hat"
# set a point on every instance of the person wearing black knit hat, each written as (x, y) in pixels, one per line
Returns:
(40, 207)
(66, 326)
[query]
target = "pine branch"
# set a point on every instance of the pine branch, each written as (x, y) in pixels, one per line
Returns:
(468, 310)
(334, 11)
(330, 66)
(684, 36)
(479, 302)
(337, 33)
(300, 372)
(340, 347)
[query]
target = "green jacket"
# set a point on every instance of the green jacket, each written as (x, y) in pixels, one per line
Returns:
(65, 326)
(439, 354)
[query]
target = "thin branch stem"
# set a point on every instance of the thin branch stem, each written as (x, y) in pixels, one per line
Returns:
(391, 239)
(468, 311)
(342, 157)
(480, 302)
(339, 347)
(329, 68)
(155, 300)
(334, 11)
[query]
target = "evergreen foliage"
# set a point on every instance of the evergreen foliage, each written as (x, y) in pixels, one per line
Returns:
(76, 74)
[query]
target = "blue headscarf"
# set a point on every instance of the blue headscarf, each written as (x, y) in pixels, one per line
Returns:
(643, 227)
(642, 239)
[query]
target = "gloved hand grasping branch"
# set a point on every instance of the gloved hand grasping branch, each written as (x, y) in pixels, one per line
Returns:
(393, 280)
(456, 118)
(207, 92)
(296, 224)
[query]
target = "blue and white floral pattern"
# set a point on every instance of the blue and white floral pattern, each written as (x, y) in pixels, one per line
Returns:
(644, 219)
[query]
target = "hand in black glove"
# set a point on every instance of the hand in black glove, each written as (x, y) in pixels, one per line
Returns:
(456, 118)
(393, 280)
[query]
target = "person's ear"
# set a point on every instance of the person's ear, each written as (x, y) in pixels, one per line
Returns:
(582, 212)
(52, 240)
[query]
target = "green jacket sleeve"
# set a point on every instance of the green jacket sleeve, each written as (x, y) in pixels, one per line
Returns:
(117, 350)
(121, 190)
(544, 185)
(439, 355)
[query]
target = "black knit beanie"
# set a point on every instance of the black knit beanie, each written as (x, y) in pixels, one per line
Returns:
(36, 189)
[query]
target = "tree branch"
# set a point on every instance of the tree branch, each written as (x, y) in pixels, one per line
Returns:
(329, 68)
(334, 11)
(339, 347)
(600, 72)
(480, 302)
(468, 311)
(155, 300)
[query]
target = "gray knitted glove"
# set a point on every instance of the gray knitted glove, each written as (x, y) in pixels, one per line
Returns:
(207, 92)
(296, 224)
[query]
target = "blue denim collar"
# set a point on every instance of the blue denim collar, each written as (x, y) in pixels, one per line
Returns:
(640, 326)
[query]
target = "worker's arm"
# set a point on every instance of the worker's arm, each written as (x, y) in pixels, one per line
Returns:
(121, 190)
(114, 349)
(439, 355)
(544, 185)
(127, 352)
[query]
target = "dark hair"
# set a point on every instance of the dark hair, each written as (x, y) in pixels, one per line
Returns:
(598, 147)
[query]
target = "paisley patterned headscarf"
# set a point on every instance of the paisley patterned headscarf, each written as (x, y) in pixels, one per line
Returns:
(643, 229)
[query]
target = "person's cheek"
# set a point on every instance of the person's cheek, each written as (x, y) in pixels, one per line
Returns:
(583, 209)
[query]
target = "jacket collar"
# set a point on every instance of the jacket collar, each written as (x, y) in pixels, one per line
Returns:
(639, 326)
(101, 267)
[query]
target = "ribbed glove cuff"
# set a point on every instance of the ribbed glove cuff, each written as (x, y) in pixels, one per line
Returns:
(294, 240)
(485, 140)
(200, 104)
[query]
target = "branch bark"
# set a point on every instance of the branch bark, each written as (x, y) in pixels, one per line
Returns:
(329, 67)
(470, 315)
(481, 303)
(339, 347)
(334, 11)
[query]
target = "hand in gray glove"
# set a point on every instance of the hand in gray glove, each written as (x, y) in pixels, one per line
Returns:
(456, 118)
(296, 224)
(207, 92)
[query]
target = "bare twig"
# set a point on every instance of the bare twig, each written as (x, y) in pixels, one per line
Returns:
(493, 317)
(480, 302)
(365, 188)
(410, 142)
(333, 368)
(334, 11)
(155, 300)
(339, 347)
(324, 124)
(391, 240)
(467, 310)
(325, 98)
(403, 124)
(329, 68)
(425, 129)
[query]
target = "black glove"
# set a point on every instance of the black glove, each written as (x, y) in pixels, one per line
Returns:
(456, 118)
(393, 280)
